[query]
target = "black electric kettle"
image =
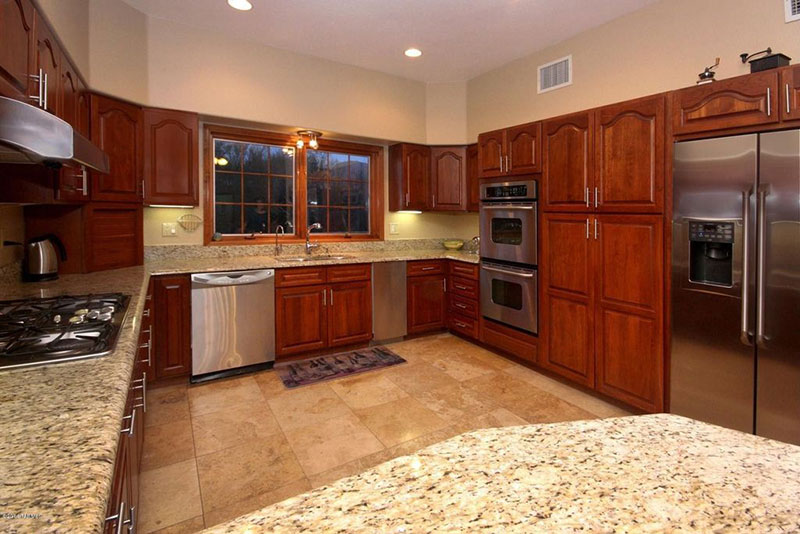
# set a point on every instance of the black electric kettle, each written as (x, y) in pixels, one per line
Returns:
(41, 261)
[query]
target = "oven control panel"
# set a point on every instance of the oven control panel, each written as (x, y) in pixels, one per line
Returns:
(522, 190)
(711, 232)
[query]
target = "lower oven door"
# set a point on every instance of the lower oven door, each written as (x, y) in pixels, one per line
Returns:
(508, 231)
(508, 295)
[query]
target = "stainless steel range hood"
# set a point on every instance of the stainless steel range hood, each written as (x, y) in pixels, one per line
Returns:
(29, 134)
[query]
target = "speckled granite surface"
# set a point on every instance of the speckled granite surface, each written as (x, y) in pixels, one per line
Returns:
(654, 473)
(59, 424)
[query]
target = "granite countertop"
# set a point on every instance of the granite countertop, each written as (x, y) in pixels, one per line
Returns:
(653, 473)
(59, 424)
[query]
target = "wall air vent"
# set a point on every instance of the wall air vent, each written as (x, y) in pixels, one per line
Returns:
(792, 10)
(556, 74)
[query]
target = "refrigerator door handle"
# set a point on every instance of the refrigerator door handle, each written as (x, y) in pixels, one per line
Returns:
(761, 275)
(745, 336)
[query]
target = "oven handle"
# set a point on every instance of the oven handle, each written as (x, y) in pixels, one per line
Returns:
(503, 271)
(507, 207)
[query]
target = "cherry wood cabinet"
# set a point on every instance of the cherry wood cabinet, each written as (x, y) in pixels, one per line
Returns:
(568, 163)
(473, 182)
(462, 295)
(47, 61)
(300, 319)
(350, 315)
(172, 325)
(426, 303)
(449, 178)
(629, 157)
(113, 236)
(170, 157)
(409, 177)
(116, 128)
(790, 93)
(17, 50)
(748, 100)
(510, 151)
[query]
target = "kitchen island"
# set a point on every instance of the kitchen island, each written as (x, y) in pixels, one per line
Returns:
(653, 473)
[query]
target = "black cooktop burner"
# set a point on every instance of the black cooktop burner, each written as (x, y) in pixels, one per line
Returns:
(38, 331)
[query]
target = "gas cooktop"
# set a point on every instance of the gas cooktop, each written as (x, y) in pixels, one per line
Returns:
(38, 331)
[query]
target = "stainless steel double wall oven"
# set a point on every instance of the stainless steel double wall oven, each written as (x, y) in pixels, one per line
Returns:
(509, 229)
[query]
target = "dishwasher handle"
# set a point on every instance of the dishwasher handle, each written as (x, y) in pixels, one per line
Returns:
(233, 278)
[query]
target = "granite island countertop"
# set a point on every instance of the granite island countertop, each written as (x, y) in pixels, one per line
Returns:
(60, 423)
(652, 473)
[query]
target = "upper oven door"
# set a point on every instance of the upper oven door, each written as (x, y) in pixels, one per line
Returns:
(508, 231)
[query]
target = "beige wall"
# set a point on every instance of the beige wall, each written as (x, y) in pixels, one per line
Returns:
(446, 113)
(70, 19)
(12, 228)
(658, 48)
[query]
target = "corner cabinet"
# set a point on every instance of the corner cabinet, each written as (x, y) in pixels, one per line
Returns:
(170, 157)
(116, 128)
(409, 177)
(449, 178)
(172, 326)
(510, 151)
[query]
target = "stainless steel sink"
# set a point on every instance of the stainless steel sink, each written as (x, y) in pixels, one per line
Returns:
(321, 257)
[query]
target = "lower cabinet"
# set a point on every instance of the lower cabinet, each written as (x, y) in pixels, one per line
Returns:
(427, 305)
(463, 307)
(602, 304)
(331, 314)
(172, 326)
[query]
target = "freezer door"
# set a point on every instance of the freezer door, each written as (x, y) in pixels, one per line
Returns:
(712, 361)
(778, 303)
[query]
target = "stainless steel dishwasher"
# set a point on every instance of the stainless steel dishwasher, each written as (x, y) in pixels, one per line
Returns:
(233, 323)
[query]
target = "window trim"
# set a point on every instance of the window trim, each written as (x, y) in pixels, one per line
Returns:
(376, 193)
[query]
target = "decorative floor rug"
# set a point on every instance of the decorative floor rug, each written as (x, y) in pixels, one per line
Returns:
(306, 372)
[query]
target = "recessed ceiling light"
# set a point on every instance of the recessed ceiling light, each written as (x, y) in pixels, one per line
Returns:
(413, 52)
(241, 5)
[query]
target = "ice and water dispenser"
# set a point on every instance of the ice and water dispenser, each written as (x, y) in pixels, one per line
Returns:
(711, 253)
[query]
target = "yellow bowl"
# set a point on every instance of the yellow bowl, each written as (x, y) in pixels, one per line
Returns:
(453, 244)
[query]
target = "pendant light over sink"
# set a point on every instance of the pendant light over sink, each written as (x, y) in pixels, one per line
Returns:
(308, 136)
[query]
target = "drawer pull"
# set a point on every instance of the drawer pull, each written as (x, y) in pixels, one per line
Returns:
(132, 428)
(459, 305)
(428, 268)
(461, 325)
(146, 312)
(462, 288)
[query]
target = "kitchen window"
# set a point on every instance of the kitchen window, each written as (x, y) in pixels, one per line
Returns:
(257, 181)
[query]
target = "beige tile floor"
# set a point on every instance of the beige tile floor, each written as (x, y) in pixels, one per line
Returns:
(215, 451)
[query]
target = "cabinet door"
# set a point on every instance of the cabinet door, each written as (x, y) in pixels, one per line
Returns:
(172, 325)
(524, 146)
(491, 151)
(743, 101)
(473, 183)
(300, 319)
(48, 58)
(117, 130)
(350, 313)
(17, 53)
(113, 235)
(426, 303)
(170, 157)
(629, 157)
(790, 99)
(566, 322)
(73, 182)
(629, 317)
(120, 497)
(568, 163)
(417, 171)
(449, 178)
(84, 118)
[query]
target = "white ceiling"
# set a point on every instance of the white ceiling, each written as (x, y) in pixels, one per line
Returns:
(460, 39)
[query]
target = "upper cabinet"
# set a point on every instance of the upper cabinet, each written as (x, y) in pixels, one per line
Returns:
(409, 177)
(473, 184)
(449, 178)
(117, 129)
(568, 163)
(629, 157)
(742, 101)
(16, 52)
(170, 157)
(47, 65)
(790, 100)
(511, 151)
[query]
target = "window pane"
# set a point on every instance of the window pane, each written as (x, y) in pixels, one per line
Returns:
(282, 215)
(318, 215)
(316, 164)
(282, 191)
(281, 160)
(359, 221)
(255, 158)
(359, 194)
(255, 219)
(359, 168)
(228, 187)
(227, 219)
(339, 193)
(227, 155)
(317, 193)
(255, 188)
(338, 165)
(339, 222)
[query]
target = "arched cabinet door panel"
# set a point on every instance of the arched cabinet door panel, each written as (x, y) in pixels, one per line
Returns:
(117, 130)
(568, 163)
(170, 157)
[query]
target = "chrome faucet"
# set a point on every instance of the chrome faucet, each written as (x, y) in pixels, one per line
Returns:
(278, 246)
(309, 245)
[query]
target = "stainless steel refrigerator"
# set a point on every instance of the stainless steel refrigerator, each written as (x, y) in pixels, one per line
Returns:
(735, 357)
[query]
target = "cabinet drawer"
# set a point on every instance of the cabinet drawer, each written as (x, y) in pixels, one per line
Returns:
(419, 268)
(466, 270)
(300, 276)
(463, 325)
(464, 287)
(467, 307)
(349, 273)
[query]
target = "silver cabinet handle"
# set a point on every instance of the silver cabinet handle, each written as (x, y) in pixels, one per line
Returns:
(407, 199)
(84, 185)
(324, 297)
(510, 273)
(331, 297)
(769, 102)
(760, 274)
(39, 81)
(745, 335)
(500, 155)
(508, 167)
(460, 324)
(459, 305)
(45, 91)
(143, 387)
(131, 521)
(586, 197)
(444, 284)
(788, 102)
(118, 517)
(146, 312)
(131, 428)
(595, 228)
(462, 288)
(434, 201)
(428, 268)
(507, 207)
(595, 197)
(587, 227)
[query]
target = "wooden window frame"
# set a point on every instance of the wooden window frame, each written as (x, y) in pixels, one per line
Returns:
(245, 135)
